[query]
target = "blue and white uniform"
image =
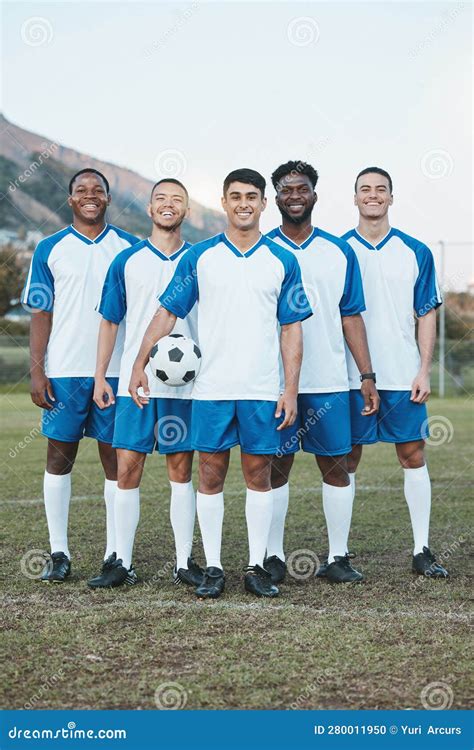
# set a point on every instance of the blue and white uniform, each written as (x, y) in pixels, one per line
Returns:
(66, 276)
(333, 285)
(399, 281)
(242, 298)
(131, 290)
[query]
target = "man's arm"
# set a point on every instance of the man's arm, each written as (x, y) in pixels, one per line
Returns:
(103, 393)
(40, 330)
(421, 389)
(355, 334)
(161, 324)
(291, 346)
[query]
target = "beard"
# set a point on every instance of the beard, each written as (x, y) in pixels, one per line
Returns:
(296, 219)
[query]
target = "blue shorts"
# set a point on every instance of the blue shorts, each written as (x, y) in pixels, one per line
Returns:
(399, 420)
(219, 425)
(75, 415)
(164, 425)
(322, 427)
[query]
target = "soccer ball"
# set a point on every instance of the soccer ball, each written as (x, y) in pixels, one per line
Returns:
(175, 360)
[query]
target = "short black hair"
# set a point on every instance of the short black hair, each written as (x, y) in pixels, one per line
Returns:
(85, 171)
(169, 179)
(377, 170)
(293, 168)
(248, 176)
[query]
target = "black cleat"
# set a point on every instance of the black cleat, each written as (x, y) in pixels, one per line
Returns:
(258, 581)
(341, 571)
(113, 574)
(276, 567)
(192, 575)
(212, 584)
(57, 568)
(322, 570)
(424, 564)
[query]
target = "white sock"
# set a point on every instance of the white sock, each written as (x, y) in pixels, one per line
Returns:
(182, 516)
(277, 527)
(210, 510)
(127, 514)
(418, 497)
(258, 512)
(352, 479)
(337, 504)
(110, 485)
(57, 496)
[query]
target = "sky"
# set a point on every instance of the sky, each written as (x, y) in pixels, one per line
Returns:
(197, 89)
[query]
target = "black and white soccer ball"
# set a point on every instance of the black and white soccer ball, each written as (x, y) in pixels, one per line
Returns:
(175, 360)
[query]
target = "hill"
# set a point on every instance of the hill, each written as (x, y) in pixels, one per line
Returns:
(34, 174)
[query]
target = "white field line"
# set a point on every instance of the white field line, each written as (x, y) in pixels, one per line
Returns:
(263, 608)
(229, 493)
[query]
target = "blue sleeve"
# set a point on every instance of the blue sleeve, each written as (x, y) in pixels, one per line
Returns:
(182, 292)
(352, 300)
(427, 294)
(293, 304)
(113, 303)
(38, 292)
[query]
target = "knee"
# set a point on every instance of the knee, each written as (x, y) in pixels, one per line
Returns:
(411, 458)
(129, 476)
(259, 482)
(353, 459)
(180, 467)
(336, 476)
(180, 472)
(59, 465)
(280, 471)
(60, 461)
(211, 481)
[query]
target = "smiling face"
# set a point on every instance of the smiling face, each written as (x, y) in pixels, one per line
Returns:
(295, 197)
(373, 197)
(243, 204)
(168, 206)
(89, 198)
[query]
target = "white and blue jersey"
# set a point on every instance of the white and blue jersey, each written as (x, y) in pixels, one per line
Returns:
(132, 287)
(66, 276)
(242, 297)
(333, 285)
(399, 281)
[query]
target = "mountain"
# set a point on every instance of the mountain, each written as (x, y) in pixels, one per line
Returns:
(34, 177)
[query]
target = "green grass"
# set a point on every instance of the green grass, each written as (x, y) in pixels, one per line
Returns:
(376, 645)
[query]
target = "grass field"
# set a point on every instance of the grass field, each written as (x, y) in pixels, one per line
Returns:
(376, 645)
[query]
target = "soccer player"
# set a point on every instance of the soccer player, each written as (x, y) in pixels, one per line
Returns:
(332, 281)
(133, 284)
(400, 288)
(245, 285)
(62, 290)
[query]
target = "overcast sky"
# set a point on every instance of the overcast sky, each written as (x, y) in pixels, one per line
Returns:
(199, 88)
